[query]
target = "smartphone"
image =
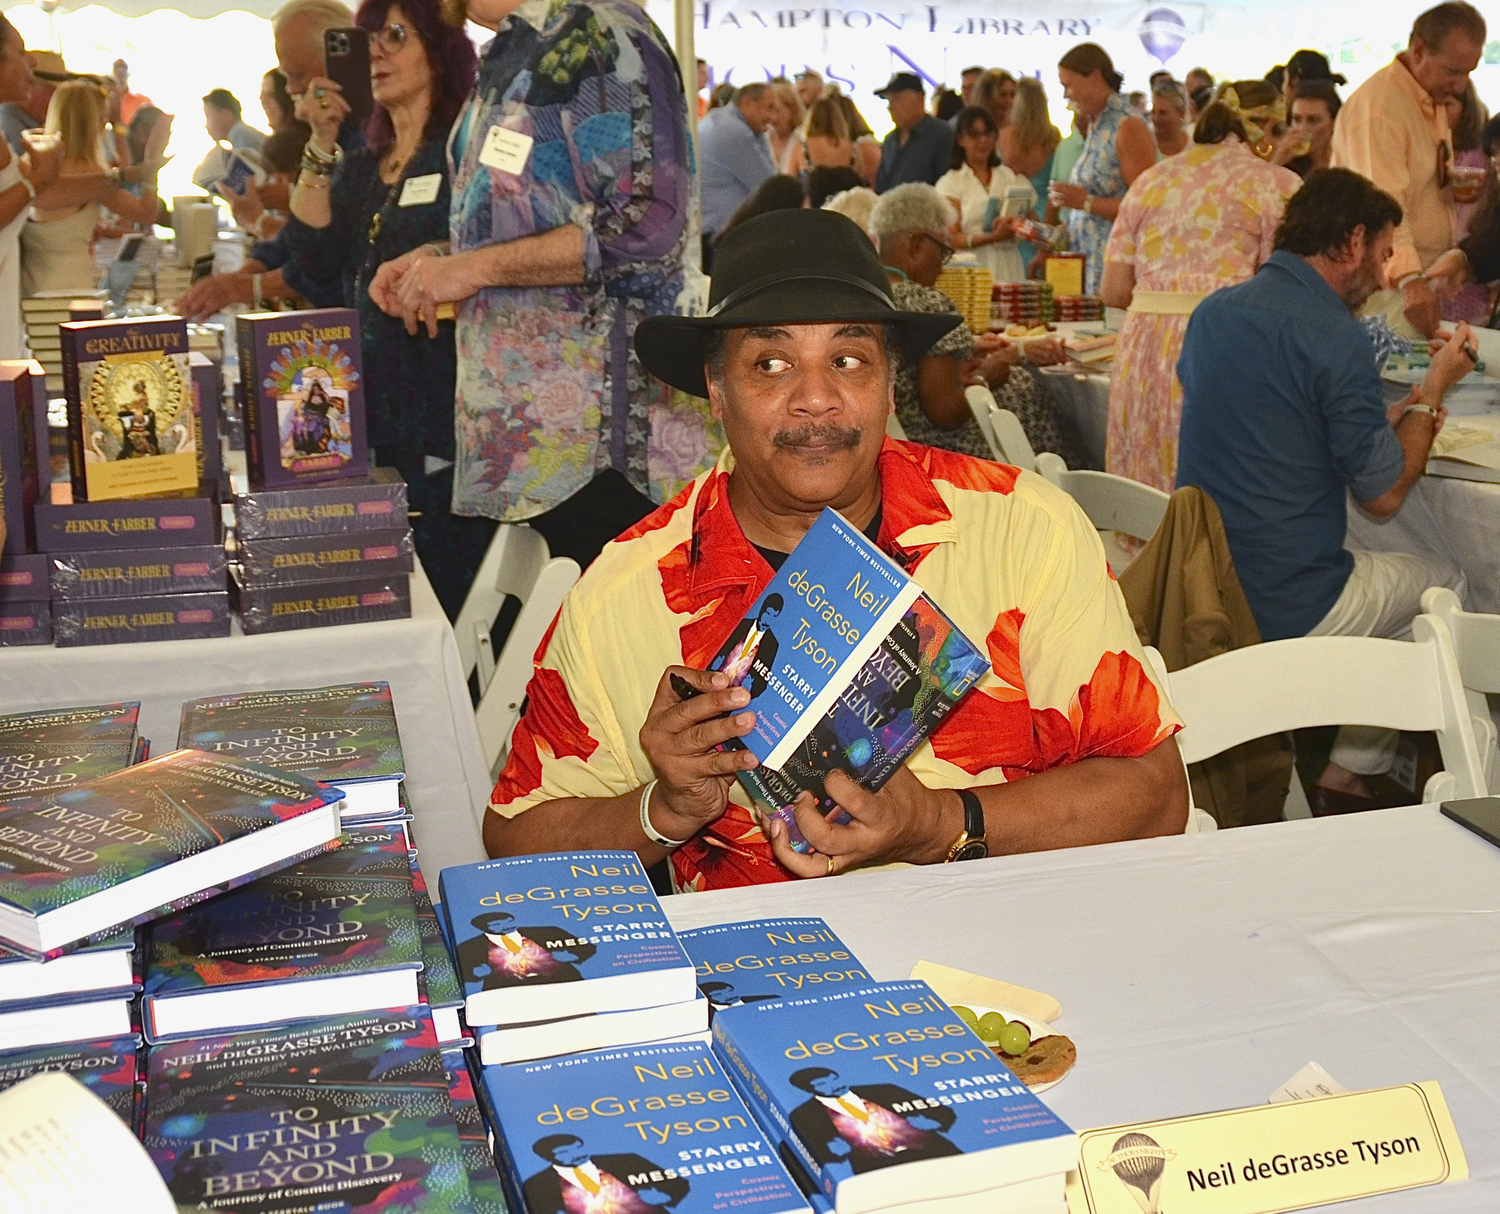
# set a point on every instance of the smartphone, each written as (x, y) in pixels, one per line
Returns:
(1479, 814)
(203, 266)
(346, 61)
(130, 246)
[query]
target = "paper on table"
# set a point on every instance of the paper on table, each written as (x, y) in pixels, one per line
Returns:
(1455, 437)
(960, 986)
(1311, 1082)
(61, 1148)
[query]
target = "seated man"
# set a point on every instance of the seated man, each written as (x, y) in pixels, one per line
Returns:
(1279, 435)
(798, 358)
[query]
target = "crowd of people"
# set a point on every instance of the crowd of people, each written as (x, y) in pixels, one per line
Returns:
(521, 232)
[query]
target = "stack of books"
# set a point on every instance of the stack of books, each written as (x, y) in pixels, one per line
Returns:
(968, 285)
(25, 479)
(109, 1068)
(57, 749)
(486, 1192)
(886, 1100)
(565, 953)
(43, 313)
(84, 995)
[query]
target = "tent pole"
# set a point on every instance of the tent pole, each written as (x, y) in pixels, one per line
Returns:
(687, 59)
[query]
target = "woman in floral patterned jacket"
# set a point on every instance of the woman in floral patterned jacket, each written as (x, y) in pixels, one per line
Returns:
(573, 196)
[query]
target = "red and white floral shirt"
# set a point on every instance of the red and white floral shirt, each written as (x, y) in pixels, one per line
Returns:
(1010, 557)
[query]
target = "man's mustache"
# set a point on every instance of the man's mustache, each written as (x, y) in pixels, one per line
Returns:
(812, 435)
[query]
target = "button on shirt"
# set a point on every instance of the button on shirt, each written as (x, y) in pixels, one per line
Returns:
(1391, 131)
(1281, 413)
(733, 160)
(923, 157)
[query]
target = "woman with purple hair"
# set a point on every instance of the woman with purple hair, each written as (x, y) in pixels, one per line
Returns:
(351, 212)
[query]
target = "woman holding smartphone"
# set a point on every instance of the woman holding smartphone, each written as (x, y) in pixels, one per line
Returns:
(353, 211)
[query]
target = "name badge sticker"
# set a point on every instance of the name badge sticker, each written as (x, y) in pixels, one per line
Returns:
(419, 191)
(506, 150)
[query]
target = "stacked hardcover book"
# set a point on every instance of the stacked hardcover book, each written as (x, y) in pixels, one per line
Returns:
(322, 539)
(56, 749)
(44, 313)
(25, 480)
(567, 952)
(81, 996)
(109, 1068)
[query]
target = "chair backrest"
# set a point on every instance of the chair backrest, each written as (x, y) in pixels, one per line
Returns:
(894, 428)
(1113, 503)
(981, 400)
(1199, 821)
(1010, 437)
(517, 563)
(1476, 646)
(1306, 681)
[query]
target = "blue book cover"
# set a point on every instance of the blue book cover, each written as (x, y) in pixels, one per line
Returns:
(887, 1096)
(61, 852)
(107, 1068)
(349, 1115)
(485, 1191)
(632, 1130)
(565, 934)
(906, 688)
(345, 913)
(751, 962)
(811, 629)
(48, 751)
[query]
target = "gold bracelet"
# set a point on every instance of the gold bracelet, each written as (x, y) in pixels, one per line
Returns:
(319, 180)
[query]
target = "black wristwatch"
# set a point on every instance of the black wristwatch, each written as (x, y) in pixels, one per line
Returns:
(970, 844)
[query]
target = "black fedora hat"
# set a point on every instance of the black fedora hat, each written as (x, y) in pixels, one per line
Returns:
(786, 267)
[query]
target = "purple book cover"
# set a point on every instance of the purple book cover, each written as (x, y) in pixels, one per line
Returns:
(86, 526)
(321, 604)
(208, 395)
(25, 578)
(19, 484)
(377, 503)
(106, 1068)
(135, 572)
(131, 429)
(162, 617)
(304, 396)
(25, 624)
(319, 558)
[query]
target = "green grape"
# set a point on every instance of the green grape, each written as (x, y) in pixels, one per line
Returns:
(1014, 1038)
(966, 1014)
(991, 1025)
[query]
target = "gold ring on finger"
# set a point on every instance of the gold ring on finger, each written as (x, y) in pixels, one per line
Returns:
(829, 873)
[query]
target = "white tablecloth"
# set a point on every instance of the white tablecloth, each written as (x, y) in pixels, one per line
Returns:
(446, 779)
(1200, 972)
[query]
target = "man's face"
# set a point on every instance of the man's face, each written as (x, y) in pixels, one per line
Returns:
(217, 122)
(299, 53)
(1444, 72)
(758, 111)
(570, 1154)
(970, 83)
(1166, 118)
(829, 1085)
(1310, 115)
(15, 69)
(804, 409)
(905, 107)
(810, 89)
(1370, 275)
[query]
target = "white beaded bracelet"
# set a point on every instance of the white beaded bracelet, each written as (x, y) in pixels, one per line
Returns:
(651, 832)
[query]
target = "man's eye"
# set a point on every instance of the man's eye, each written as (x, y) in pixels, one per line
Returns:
(773, 365)
(848, 362)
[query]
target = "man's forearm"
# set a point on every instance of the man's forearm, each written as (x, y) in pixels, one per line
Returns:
(552, 259)
(574, 824)
(1096, 800)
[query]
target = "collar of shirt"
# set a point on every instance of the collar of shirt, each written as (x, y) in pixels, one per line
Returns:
(589, 1169)
(1436, 115)
(1323, 295)
(839, 1104)
(915, 519)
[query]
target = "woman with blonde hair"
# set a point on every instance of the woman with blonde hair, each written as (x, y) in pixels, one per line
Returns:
(1189, 225)
(996, 92)
(1029, 139)
(55, 243)
(786, 122)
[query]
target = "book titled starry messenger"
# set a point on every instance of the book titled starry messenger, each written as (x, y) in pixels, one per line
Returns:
(763, 959)
(650, 1128)
(888, 1097)
(131, 428)
(58, 748)
(328, 936)
(343, 736)
(566, 934)
(148, 840)
(349, 1115)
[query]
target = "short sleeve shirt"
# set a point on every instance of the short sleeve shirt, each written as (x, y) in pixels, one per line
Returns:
(1281, 414)
(1012, 560)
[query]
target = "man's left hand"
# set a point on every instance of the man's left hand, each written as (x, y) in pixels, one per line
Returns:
(905, 820)
(428, 282)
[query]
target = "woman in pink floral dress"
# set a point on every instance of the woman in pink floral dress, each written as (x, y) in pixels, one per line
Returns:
(1196, 222)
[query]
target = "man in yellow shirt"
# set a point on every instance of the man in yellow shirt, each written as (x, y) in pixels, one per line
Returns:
(1393, 130)
(1065, 740)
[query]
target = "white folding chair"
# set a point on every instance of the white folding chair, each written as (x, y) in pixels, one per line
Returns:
(981, 400)
(1476, 645)
(1113, 503)
(1199, 821)
(894, 429)
(1010, 437)
(1306, 681)
(518, 563)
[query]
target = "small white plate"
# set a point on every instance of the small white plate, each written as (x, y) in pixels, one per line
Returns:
(1037, 1028)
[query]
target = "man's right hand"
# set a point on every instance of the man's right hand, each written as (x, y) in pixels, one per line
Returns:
(681, 738)
(213, 294)
(1421, 308)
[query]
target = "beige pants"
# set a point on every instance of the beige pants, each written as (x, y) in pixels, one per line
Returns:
(1380, 599)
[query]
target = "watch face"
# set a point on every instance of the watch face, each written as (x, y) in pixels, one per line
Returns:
(975, 849)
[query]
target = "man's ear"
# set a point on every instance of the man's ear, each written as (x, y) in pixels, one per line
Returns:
(715, 393)
(1355, 246)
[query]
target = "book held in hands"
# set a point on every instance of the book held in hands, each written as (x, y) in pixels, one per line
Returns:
(149, 839)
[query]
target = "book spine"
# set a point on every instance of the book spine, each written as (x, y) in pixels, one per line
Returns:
(76, 468)
(761, 1115)
(848, 668)
(244, 334)
(746, 1081)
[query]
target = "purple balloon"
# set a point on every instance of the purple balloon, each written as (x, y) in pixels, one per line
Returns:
(1162, 34)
